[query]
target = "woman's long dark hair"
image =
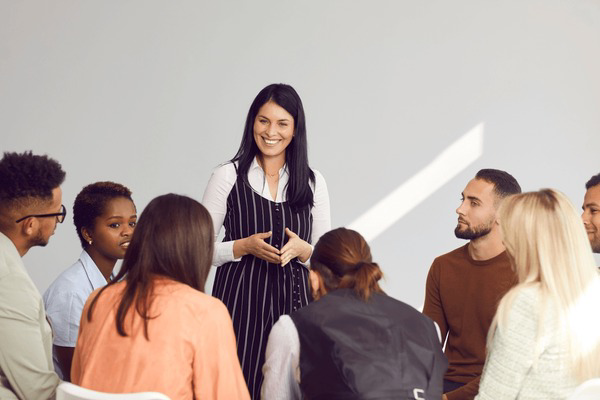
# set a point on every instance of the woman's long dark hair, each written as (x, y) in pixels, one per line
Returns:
(298, 192)
(173, 239)
(343, 259)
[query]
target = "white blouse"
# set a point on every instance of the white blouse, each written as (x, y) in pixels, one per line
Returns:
(221, 182)
(281, 369)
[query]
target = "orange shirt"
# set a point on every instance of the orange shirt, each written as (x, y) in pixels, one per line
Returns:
(191, 353)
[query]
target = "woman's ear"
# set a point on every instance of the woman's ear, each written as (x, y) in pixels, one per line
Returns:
(86, 235)
(316, 284)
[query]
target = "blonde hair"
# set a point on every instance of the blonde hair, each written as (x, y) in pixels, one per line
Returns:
(549, 249)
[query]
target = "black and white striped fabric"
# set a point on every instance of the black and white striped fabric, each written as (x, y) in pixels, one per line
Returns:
(255, 291)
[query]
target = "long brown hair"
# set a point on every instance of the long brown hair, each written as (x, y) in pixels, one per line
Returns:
(173, 238)
(343, 259)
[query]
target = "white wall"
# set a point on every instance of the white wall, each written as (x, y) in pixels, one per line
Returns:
(153, 94)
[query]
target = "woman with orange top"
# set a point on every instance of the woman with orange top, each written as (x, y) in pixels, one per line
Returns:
(152, 328)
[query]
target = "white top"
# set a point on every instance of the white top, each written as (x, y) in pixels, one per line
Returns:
(282, 369)
(510, 372)
(221, 182)
(66, 296)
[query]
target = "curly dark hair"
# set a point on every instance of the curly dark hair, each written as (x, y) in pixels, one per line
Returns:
(26, 176)
(594, 181)
(91, 203)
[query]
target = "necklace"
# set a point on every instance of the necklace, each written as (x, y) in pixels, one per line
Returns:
(273, 175)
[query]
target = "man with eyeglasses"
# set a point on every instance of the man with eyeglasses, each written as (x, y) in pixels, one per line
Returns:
(30, 208)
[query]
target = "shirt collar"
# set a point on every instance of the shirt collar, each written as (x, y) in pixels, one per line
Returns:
(256, 166)
(94, 275)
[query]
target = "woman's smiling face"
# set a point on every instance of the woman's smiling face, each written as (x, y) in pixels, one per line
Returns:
(273, 130)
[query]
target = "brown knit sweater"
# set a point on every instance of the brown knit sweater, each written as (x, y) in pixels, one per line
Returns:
(461, 297)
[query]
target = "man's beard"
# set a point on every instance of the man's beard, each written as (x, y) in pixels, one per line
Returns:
(595, 246)
(473, 233)
(38, 240)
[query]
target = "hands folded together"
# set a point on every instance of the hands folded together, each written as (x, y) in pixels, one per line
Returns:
(256, 245)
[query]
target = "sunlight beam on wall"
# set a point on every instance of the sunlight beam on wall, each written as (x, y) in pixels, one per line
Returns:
(449, 163)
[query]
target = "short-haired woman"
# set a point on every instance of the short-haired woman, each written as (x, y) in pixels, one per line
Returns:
(104, 217)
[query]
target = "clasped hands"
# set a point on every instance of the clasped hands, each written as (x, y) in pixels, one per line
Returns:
(257, 246)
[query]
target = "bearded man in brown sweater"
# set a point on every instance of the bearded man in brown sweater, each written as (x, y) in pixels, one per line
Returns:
(464, 286)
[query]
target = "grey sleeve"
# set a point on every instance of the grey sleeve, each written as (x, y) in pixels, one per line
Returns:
(26, 347)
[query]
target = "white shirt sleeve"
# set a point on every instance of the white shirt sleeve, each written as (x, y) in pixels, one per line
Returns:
(215, 200)
(281, 369)
(321, 212)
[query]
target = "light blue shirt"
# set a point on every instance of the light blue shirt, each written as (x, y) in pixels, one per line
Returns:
(65, 298)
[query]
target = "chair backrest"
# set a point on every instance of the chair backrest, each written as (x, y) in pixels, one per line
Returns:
(69, 391)
(588, 390)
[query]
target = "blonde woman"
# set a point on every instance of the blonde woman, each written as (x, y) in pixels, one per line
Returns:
(544, 339)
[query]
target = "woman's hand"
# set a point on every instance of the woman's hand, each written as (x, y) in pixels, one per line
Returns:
(256, 245)
(295, 247)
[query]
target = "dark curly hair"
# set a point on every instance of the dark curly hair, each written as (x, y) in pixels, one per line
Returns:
(25, 177)
(91, 202)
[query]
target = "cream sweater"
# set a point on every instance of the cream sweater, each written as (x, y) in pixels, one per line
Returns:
(510, 371)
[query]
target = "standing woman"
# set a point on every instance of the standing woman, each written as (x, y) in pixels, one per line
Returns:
(272, 206)
(544, 340)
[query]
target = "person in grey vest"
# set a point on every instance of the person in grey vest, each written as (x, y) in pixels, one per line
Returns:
(354, 341)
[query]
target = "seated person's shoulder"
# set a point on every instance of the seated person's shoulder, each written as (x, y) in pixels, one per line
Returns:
(455, 257)
(197, 304)
(66, 286)
(11, 265)
(527, 297)
(19, 296)
(402, 310)
(459, 252)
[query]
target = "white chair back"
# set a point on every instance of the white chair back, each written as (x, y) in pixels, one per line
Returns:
(69, 391)
(588, 390)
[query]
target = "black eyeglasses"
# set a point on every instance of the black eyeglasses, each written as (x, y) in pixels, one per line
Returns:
(60, 216)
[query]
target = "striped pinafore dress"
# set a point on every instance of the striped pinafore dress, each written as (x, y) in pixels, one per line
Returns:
(255, 291)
